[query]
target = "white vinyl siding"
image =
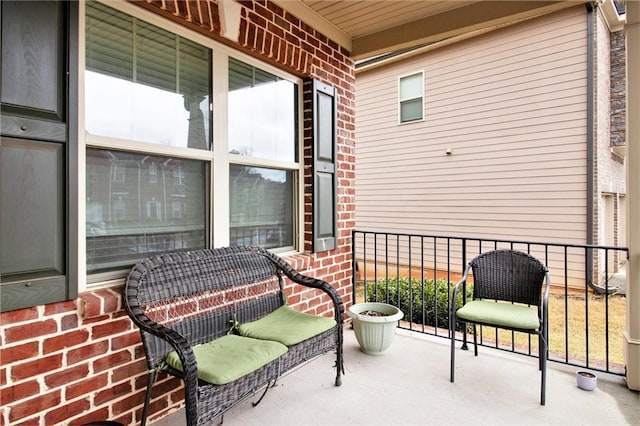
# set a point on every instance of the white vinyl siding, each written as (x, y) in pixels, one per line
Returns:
(511, 107)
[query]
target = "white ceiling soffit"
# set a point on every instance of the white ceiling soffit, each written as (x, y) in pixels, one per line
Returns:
(371, 27)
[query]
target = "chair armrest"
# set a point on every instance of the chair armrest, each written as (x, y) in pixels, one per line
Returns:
(463, 282)
(545, 304)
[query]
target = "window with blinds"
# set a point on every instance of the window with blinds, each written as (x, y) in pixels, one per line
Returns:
(139, 204)
(144, 83)
(147, 85)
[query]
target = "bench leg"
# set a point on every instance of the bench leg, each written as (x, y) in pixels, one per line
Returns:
(151, 378)
(339, 356)
(269, 385)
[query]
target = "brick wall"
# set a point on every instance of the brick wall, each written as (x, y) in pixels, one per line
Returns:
(609, 169)
(618, 89)
(81, 361)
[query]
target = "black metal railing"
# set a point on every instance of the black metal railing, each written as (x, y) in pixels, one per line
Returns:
(587, 305)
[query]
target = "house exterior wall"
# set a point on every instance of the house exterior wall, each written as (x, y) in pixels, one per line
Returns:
(81, 360)
(511, 106)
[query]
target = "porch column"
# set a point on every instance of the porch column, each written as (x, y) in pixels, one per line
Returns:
(632, 332)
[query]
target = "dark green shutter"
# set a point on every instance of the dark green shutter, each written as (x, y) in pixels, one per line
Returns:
(38, 214)
(325, 228)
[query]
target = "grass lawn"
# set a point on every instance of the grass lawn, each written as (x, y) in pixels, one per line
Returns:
(569, 337)
(572, 336)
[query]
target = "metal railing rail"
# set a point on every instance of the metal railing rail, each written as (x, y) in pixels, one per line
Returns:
(587, 329)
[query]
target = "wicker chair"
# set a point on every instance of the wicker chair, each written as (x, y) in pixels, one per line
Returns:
(506, 284)
(183, 301)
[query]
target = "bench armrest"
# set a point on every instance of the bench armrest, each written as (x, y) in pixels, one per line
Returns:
(308, 281)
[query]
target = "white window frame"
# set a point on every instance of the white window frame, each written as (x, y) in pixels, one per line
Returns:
(421, 97)
(218, 158)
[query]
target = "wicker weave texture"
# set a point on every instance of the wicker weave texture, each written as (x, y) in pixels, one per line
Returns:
(183, 299)
(508, 275)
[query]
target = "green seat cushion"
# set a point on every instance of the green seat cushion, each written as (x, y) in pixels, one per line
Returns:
(287, 326)
(230, 357)
(500, 314)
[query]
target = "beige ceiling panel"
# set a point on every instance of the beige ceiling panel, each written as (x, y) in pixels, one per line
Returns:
(368, 28)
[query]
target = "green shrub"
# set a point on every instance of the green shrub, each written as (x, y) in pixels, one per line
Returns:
(423, 302)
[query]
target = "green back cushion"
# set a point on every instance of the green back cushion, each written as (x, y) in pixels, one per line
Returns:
(500, 314)
(230, 357)
(287, 326)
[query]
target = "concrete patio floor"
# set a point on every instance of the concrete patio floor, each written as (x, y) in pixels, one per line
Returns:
(409, 385)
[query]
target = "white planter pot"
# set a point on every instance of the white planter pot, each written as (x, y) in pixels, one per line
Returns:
(374, 333)
(586, 380)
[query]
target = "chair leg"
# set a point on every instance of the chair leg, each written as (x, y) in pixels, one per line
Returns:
(464, 336)
(540, 351)
(151, 378)
(452, 333)
(543, 364)
(475, 340)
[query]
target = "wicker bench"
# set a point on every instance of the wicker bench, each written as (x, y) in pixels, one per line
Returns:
(218, 320)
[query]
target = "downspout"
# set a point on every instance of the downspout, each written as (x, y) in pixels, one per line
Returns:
(590, 140)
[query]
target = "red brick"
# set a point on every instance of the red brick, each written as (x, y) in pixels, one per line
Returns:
(36, 367)
(68, 375)
(19, 315)
(30, 331)
(171, 6)
(34, 405)
(264, 12)
(112, 393)
(158, 406)
(65, 340)
(28, 422)
(90, 305)
(111, 361)
(3, 376)
(61, 307)
(127, 371)
(258, 20)
(214, 12)
(126, 404)
(66, 411)
(163, 387)
(127, 419)
(110, 328)
(125, 340)
(181, 7)
(138, 352)
(110, 300)
(80, 354)
(20, 391)
(94, 416)
(20, 352)
(177, 396)
(246, 3)
(68, 322)
(86, 386)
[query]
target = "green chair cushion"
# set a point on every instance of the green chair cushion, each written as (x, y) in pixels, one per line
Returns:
(500, 314)
(230, 357)
(287, 326)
